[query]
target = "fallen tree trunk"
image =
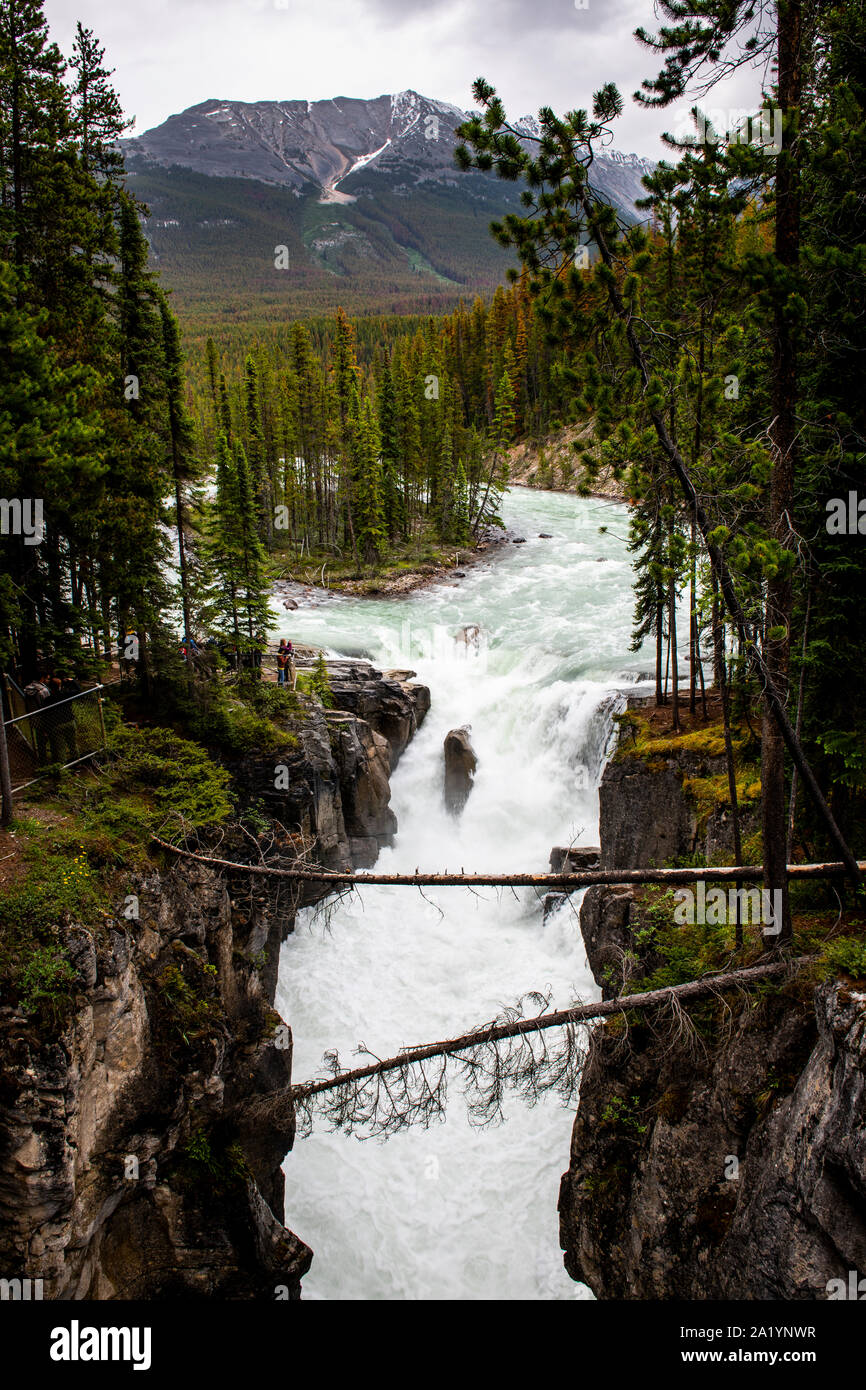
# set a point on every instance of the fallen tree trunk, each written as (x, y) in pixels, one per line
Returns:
(583, 1013)
(752, 873)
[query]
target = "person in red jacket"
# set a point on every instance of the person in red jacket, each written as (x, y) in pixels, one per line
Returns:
(284, 656)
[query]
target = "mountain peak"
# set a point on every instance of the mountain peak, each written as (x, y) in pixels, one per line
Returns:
(299, 143)
(308, 145)
(363, 194)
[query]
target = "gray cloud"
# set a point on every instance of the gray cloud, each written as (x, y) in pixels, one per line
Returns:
(514, 17)
(170, 54)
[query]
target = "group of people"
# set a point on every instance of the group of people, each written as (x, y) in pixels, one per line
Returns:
(194, 652)
(286, 674)
(250, 658)
(50, 696)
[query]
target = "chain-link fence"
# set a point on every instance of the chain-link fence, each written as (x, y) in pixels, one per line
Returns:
(64, 730)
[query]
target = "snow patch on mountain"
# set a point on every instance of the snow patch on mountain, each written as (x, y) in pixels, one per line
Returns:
(363, 161)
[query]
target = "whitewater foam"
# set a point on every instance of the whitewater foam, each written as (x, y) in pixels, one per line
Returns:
(456, 1212)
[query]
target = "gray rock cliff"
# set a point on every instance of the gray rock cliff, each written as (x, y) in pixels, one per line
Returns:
(141, 1144)
(723, 1163)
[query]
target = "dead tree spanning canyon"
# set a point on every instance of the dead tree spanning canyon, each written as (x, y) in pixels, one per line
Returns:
(390, 1094)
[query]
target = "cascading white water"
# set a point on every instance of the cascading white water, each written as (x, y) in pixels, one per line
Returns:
(456, 1212)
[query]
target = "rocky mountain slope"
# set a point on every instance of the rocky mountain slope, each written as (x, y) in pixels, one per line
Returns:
(320, 145)
(306, 145)
(363, 194)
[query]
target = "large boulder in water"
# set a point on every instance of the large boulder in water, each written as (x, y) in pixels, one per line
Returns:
(460, 765)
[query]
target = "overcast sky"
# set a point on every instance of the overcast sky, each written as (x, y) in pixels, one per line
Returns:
(170, 54)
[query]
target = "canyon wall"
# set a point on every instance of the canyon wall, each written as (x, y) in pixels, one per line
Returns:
(141, 1145)
(723, 1161)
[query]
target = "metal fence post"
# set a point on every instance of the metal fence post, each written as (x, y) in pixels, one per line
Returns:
(101, 715)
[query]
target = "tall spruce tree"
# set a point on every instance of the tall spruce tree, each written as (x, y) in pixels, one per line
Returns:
(180, 442)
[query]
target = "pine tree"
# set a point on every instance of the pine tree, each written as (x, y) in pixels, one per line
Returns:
(371, 531)
(225, 409)
(253, 587)
(461, 529)
(223, 549)
(98, 121)
(500, 436)
(255, 448)
(180, 444)
(320, 682)
(392, 493)
(213, 373)
(34, 119)
(647, 543)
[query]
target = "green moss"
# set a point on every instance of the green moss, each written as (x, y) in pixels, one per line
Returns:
(207, 1161)
(187, 988)
(711, 794)
(46, 986)
(644, 742)
(845, 955)
(631, 728)
(753, 848)
(710, 742)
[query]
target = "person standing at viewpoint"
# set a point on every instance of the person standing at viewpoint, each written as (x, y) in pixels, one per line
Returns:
(283, 658)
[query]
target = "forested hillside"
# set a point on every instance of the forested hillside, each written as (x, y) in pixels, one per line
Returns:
(91, 392)
(443, 398)
(268, 210)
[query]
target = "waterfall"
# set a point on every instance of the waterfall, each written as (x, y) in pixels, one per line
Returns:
(456, 1212)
